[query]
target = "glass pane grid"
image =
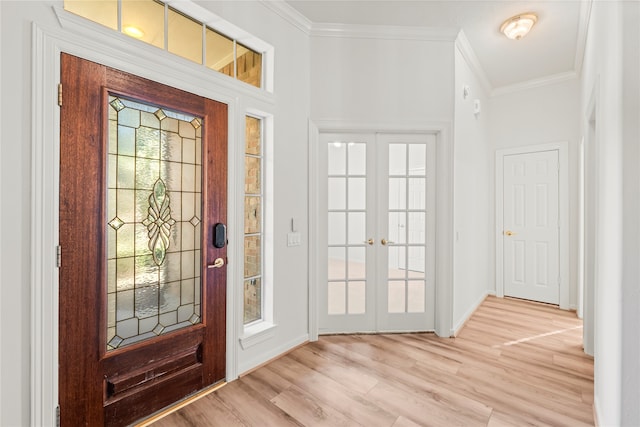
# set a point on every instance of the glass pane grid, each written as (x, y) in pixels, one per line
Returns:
(153, 221)
(187, 37)
(347, 221)
(407, 182)
(253, 227)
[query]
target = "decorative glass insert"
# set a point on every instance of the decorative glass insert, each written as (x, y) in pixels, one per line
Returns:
(253, 227)
(147, 20)
(153, 223)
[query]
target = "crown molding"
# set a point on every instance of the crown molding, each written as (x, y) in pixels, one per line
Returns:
(534, 83)
(289, 14)
(385, 32)
(583, 27)
(469, 55)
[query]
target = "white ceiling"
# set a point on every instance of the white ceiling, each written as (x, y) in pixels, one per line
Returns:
(553, 49)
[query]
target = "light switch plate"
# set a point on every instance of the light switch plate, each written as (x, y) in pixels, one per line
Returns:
(294, 239)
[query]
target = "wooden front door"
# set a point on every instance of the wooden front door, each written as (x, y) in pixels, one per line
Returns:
(143, 184)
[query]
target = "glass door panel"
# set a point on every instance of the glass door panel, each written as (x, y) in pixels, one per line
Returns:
(346, 202)
(406, 230)
(346, 298)
(153, 221)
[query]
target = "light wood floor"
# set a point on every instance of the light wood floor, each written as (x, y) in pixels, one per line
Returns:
(515, 363)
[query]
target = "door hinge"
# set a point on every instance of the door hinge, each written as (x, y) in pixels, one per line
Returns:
(60, 94)
(58, 256)
(58, 416)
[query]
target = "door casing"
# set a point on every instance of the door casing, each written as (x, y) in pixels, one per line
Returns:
(563, 182)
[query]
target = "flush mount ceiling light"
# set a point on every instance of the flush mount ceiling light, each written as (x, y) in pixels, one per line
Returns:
(132, 31)
(517, 27)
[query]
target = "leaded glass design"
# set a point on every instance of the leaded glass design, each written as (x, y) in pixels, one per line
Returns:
(153, 223)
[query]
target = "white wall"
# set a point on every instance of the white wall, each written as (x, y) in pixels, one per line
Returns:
(291, 111)
(630, 411)
(381, 81)
(16, 204)
(610, 78)
(541, 115)
(474, 257)
(291, 115)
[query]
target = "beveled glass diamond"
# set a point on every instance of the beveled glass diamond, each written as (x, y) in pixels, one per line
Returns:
(194, 221)
(115, 341)
(196, 123)
(194, 319)
(116, 223)
(158, 329)
(160, 114)
(117, 104)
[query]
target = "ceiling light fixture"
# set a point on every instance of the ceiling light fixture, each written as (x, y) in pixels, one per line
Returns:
(132, 31)
(517, 27)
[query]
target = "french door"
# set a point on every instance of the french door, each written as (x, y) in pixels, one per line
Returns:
(378, 196)
(143, 172)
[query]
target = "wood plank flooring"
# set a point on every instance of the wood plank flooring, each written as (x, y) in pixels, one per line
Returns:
(515, 363)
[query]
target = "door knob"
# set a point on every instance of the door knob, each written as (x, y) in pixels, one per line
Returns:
(509, 233)
(386, 242)
(369, 242)
(219, 262)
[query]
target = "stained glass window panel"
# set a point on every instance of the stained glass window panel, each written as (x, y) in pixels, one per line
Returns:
(153, 222)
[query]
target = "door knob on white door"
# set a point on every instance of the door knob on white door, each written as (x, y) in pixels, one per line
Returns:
(509, 233)
(369, 242)
(386, 242)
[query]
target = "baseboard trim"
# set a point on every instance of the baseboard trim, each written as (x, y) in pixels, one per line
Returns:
(250, 365)
(458, 327)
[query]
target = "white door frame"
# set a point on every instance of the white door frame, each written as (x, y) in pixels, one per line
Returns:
(444, 210)
(563, 192)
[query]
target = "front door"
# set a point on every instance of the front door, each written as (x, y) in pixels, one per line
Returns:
(531, 226)
(143, 179)
(379, 200)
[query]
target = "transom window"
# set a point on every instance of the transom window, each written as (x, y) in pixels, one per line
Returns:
(156, 23)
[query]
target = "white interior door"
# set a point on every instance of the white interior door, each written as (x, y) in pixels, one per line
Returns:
(531, 226)
(377, 273)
